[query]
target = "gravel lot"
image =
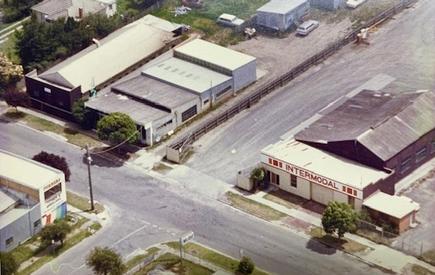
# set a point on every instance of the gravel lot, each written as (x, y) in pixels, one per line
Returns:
(401, 48)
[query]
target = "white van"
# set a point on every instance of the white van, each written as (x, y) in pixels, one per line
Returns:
(307, 27)
(230, 20)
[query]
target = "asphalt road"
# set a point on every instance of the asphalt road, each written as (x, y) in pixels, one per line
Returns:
(145, 211)
(402, 48)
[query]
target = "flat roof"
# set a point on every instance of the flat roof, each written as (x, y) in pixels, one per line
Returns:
(214, 54)
(325, 164)
(395, 206)
(25, 171)
(281, 6)
(110, 102)
(120, 49)
(155, 91)
(186, 75)
(6, 201)
(11, 215)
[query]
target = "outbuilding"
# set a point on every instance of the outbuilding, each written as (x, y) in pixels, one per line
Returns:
(241, 67)
(280, 15)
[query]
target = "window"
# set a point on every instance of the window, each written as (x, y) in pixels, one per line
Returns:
(52, 191)
(293, 181)
(280, 164)
(275, 163)
(344, 188)
(421, 154)
(9, 241)
(275, 178)
(47, 90)
(405, 165)
(206, 101)
(270, 161)
(355, 193)
(188, 113)
(37, 223)
(349, 190)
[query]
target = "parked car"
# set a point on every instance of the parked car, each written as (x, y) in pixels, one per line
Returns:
(307, 27)
(229, 20)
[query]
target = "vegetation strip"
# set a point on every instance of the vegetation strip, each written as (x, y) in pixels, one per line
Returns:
(82, 203)
(211, 256)
(253, 207)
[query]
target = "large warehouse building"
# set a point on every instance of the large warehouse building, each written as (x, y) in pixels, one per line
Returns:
(56, 89)
(28, 200)
(280, 15)
(170, 92)
(357, 152)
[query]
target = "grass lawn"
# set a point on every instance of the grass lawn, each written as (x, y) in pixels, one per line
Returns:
(342, 244)
(139, 258)
(45, 257)
(22, 253)
(284, 198)
(419, 270)
(211, 256)
(40, 124)
(171, 262)
(203, 20)
(429, 256)
(254, 208)
(82, 203)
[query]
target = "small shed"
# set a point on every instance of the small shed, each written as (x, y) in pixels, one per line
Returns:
(398, 211)
(280, 15)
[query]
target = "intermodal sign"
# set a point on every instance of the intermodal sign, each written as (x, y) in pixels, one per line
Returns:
(312, 177)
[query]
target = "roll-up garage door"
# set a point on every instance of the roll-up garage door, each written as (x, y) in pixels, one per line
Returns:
(321, 194)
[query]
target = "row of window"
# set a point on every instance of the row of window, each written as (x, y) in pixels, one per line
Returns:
(420, 155)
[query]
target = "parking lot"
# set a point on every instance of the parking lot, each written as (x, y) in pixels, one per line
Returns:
(401, 48)
(420, 240)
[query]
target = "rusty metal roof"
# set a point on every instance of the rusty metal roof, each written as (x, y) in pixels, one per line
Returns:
(382, 122)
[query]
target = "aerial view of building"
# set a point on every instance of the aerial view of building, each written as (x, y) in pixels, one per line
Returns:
(32, 195)
(51, 10)
(201, 137)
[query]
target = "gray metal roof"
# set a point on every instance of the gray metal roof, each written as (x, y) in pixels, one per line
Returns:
(187, 75)
(154, 91)
(384, 123)
(52, 6)
(281, 6)
(111, 102)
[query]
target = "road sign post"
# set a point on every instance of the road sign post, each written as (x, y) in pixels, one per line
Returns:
(183, 240)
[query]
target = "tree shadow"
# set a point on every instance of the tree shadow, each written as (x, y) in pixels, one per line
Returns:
(326, 245)
(11, 116)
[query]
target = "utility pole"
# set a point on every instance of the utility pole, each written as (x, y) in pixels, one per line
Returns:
(89, 160)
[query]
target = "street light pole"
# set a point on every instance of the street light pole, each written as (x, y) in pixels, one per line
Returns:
(89, 160)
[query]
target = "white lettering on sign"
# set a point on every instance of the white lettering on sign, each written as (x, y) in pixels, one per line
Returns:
(312, 177)
(186, 238)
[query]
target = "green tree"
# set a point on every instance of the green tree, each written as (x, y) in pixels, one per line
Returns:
(246, 266)
(83, 116)
(55, 232)
(14, 98)
(54, 161)
(105, 261)
(339, 218)
(8, 264)
(117, 128)
(257, 175)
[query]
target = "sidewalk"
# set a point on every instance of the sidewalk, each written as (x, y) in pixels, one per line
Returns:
(380, 255)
